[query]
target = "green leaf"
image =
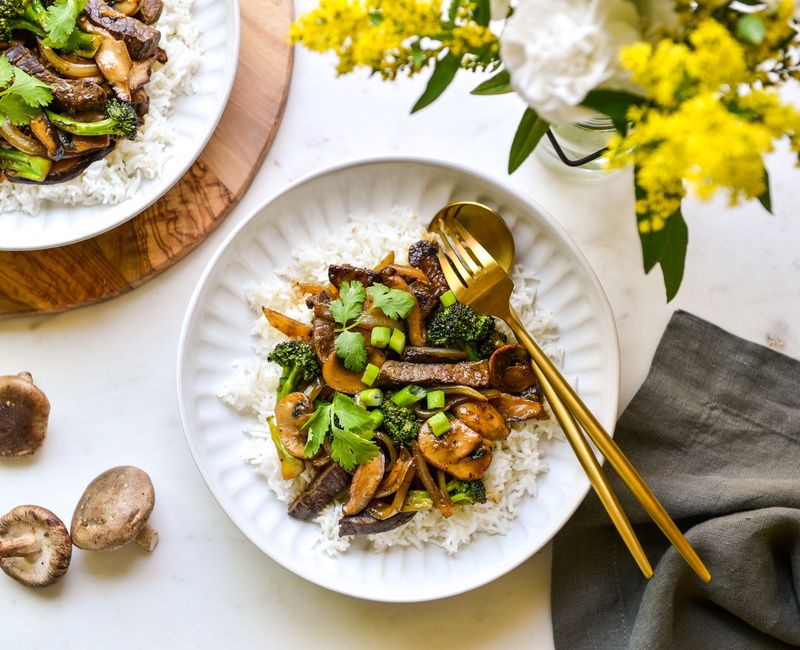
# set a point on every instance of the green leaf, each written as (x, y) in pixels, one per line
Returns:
(14, 109)
(350, 416)
(62, 17)
(614, 104)
(530, 130)
(442, 75)
(6, 72)
(350, 449)
(349, 303)
(483, 12)
(667, 247)
(499, 84)
(765, 198)
(33, 92)
(351, 348)
(751, 29)
(395, 303)
(318, 425)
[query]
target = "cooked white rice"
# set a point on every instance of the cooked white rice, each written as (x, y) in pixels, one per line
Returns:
(252, 387)
(119, 176)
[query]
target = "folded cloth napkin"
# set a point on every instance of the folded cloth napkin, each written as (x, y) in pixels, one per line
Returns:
(715, 431)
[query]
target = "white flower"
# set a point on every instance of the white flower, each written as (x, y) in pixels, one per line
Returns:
(499, 9)
(556, 52)
(656, 14)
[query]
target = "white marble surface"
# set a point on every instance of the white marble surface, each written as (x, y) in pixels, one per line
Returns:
(109, 371)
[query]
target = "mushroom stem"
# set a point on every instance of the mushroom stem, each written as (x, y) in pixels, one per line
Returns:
(147, 538)
(20, 546)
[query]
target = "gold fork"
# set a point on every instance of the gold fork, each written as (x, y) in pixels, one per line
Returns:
(478, 281)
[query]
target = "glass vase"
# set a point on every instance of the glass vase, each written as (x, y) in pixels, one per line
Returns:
(581, 147)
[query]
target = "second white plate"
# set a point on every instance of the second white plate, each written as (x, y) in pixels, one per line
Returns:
(217, 330)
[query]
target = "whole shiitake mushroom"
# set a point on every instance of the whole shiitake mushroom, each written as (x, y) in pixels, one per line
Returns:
(24, 412)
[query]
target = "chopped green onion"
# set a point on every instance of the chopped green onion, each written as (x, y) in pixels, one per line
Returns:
(370, 374)
(379, 338)
(409, 395)
(448, 298)
(439, 424)
(371, 397)
(397, 341)
(435, 399)
(377, 418)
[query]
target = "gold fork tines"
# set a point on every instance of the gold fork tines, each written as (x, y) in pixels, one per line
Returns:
(478, 280)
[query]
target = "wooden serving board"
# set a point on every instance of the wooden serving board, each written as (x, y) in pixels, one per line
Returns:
(121, 259)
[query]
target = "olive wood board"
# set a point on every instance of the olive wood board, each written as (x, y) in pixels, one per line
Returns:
(117, 261)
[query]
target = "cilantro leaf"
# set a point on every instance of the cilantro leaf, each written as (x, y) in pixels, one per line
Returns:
(33, 92)
(14, 109)
(395, 303)
(349, 415)
(350, 449)
(351, 348)
(318, 425)
(349, 303)
(62, 16)
(6, 72)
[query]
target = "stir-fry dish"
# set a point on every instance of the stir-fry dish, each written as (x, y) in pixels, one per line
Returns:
(395, 394)
(73, 77)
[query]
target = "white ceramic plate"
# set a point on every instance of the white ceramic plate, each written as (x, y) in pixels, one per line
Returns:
(217, 330)
(194, 116)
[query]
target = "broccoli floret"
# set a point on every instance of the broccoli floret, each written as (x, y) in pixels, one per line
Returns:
(298, 361)
(121, 121)
(400, 422)
(459, 327)
(31, 16)
(18, 165)
(467, 491)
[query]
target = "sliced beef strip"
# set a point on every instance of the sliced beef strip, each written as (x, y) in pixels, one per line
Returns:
(322, 336)
(140, 39)
(74, 95)
(319, 304)
(150, 11)
(364, 524)
(422, 255)
(426, 296)
(322, 490)
(465, 373)
(339, 273)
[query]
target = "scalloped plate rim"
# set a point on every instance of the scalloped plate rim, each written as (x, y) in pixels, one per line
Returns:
(572, 500)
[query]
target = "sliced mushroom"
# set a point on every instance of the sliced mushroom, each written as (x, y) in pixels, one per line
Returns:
(449, 448)
(47, 134)
(515, 408)
(150, 11)
(510, 369)
(114, 510)
(340, 378)
(365, 483)
(35, 548)
(291, 414)
(473, 466)
(366, 524)
(115, 63)
(127, 7)
(24, 412)
(294, 329)
(483, 418)
(140, 74)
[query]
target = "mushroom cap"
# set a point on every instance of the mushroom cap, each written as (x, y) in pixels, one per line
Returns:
(113, 509)
(24, 411)
(48, 565)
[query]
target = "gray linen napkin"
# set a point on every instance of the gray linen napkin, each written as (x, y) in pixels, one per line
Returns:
(715, 431)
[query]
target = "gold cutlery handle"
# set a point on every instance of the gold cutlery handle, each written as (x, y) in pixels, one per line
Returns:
(544, 367)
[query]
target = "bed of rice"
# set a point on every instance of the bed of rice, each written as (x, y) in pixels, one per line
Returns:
(120, 175)
(252, 385)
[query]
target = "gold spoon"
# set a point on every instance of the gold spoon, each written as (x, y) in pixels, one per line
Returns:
(479, 251)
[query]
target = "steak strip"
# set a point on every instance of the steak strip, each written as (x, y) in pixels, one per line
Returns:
(465, 373)
(140, 39)
(322, 490)
(422, 255)
(74, 95)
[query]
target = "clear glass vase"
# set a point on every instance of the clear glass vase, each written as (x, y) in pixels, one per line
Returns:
(578, 141)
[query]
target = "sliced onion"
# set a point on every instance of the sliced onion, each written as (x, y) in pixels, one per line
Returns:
(386, 261)
(421, 466)
(387, 442)
(466, 391)
(411, 272)
(385, 510)
(396, 474)
(69, 69)
(19, 140)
